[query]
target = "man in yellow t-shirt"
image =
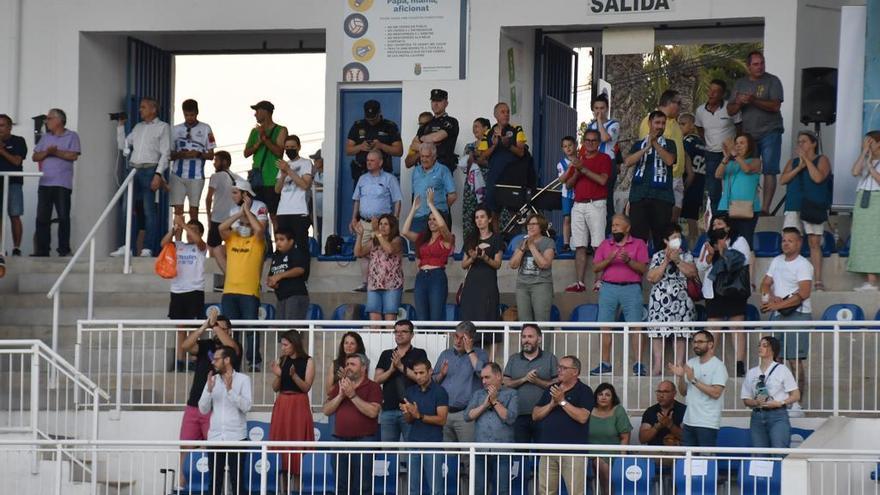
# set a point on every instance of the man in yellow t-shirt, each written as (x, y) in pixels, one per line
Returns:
(243, 234)
(682, 171)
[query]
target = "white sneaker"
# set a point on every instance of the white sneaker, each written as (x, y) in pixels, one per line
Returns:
(865, 287)
(146, 253)
(119, 252)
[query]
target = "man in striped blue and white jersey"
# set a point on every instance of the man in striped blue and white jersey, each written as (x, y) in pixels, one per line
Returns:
(192, 144)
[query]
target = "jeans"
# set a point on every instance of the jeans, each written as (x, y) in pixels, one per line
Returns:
(392, 427)
(713, 185)
(243, 307)
(492, 471)
(142, 180)
(525, 430)
(383, 301)
(533, 301)
(430, 294)
(49, 197)
(354, 472)
(698, 436)
(770, 147)
(770, 428)
(426, 471)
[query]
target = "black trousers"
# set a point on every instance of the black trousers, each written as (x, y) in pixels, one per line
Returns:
(649, 219)
(299, 225)
(221, 460)
(49, 197)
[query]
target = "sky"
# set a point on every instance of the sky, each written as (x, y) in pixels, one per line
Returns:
(227, 85)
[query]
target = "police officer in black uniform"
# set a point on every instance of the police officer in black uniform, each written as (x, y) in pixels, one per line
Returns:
(442, 130)
(373, 132)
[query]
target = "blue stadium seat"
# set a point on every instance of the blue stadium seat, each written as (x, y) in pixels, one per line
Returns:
(877, 316)
(197, 470)
(410, 311)
(828, 246)
(316, 474)
(315, 312)
(764, 485)
(554, 313)
(568, 255)
(357, 311)
(347, 251)
(409, 249)
(314, 247)
(585, 312)
(323, 432)
(257, 431)
(843, 312)
(453, 313)
(767, 244)
(632, 476)
(385, 474)
(698, 246)
(522, 470)
(502, 308)
(729, 436)
(700, 484)
(256, 469)
(844, 251)
(449, 480)
(513, 245)
(752, 313)
(798, 435)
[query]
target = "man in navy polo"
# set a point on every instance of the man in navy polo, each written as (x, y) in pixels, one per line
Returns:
(562, 413)
(425, 407)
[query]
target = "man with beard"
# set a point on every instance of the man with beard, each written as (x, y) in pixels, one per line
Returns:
(651, 198)
(394, 372)
(701, 381)
(530, 372)
(245, 246)
(355, 402)
(266, 144)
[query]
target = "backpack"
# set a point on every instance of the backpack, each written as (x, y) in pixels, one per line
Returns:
(333, 245)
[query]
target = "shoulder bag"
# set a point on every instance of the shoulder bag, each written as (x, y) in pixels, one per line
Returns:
(742, 209)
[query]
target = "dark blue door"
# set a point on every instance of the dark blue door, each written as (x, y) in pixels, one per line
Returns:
(351, 109)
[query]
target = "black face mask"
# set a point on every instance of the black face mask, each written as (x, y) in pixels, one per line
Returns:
(617, 236)
(292, 154)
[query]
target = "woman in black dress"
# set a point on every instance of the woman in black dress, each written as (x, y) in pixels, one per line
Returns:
(482, 259)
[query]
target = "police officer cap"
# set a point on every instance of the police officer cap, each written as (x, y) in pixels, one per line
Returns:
(439, 95)
(372, 109)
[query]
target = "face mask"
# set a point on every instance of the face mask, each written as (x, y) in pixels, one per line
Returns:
(617, 236)
(674, 243)
(245, 231)
(292, 154)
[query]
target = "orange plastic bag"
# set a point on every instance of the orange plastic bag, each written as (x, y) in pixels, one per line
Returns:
(166, 263)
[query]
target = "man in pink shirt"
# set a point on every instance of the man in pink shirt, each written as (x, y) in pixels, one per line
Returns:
(619, 263)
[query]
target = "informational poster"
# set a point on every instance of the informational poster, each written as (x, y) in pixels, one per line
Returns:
(403, 40)
(510, 81)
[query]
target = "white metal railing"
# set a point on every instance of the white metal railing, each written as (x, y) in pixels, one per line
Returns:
(55, 292)
(134, 359)
(455, 468)
(5, 207)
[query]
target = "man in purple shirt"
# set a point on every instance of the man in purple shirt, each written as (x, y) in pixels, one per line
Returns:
(55, 153)
(619, 263)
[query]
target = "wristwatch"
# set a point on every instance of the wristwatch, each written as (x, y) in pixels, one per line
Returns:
(694, 381)
(563, 403)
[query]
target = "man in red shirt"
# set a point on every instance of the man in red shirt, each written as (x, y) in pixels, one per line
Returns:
(356, 401)
(586, 176)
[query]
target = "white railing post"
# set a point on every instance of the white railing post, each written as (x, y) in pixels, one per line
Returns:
(472, 475)
(688, 471)
(119, 380)
(129, 202)
(265, 471)
(91, 305)
(835, 338)
(56, 313)
(77, 348)
(35, 402)
(5, 215)
(506, 343)
(624, 377)
(58, 471)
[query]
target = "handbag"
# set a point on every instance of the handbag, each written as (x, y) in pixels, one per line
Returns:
(866, 199)
(742, 209)
(166, 263)
(461, 286)
(734, 284)
(811, 211)
(255, 175)
(694, 289)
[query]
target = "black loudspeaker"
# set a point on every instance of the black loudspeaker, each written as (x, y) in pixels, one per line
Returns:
(818, 95)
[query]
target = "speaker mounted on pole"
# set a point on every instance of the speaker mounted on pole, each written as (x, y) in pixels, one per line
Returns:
(818, 95)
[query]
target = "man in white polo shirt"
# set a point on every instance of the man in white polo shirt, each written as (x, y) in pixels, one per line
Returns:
(715, 126)
(191, 145)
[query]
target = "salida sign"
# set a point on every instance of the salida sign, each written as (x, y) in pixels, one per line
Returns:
(624, 6)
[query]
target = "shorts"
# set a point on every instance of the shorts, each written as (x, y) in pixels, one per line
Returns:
(187, 305)
(693, 198)
(267, 195)
(725, 307)
(793, 219)
(628, 297)
(678, 191)
(195, 424)
(588, 223)
(770, 147)
(567, 203)
(383, 302)
(185, 188)
(214, 238)
(16, 199)
(795, 345)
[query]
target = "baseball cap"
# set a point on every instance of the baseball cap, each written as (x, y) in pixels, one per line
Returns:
(372, 109)
(316, 155)
(439, 95)
(264, 105)
(243, 185)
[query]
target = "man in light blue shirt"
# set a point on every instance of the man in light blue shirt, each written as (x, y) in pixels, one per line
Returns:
(494, 411)
(458, 371)
(429, 176)
(377, 193)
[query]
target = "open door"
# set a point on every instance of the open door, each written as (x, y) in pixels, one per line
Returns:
(149, 74)
(555, 107)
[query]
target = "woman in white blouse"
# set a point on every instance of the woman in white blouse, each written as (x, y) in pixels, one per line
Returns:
(864, 252)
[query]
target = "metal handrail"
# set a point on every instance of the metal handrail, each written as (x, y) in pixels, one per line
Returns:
(56, 359)
(5, 209)
(54, 292)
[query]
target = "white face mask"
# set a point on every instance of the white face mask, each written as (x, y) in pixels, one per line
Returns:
(674, 243)
(245, 231)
